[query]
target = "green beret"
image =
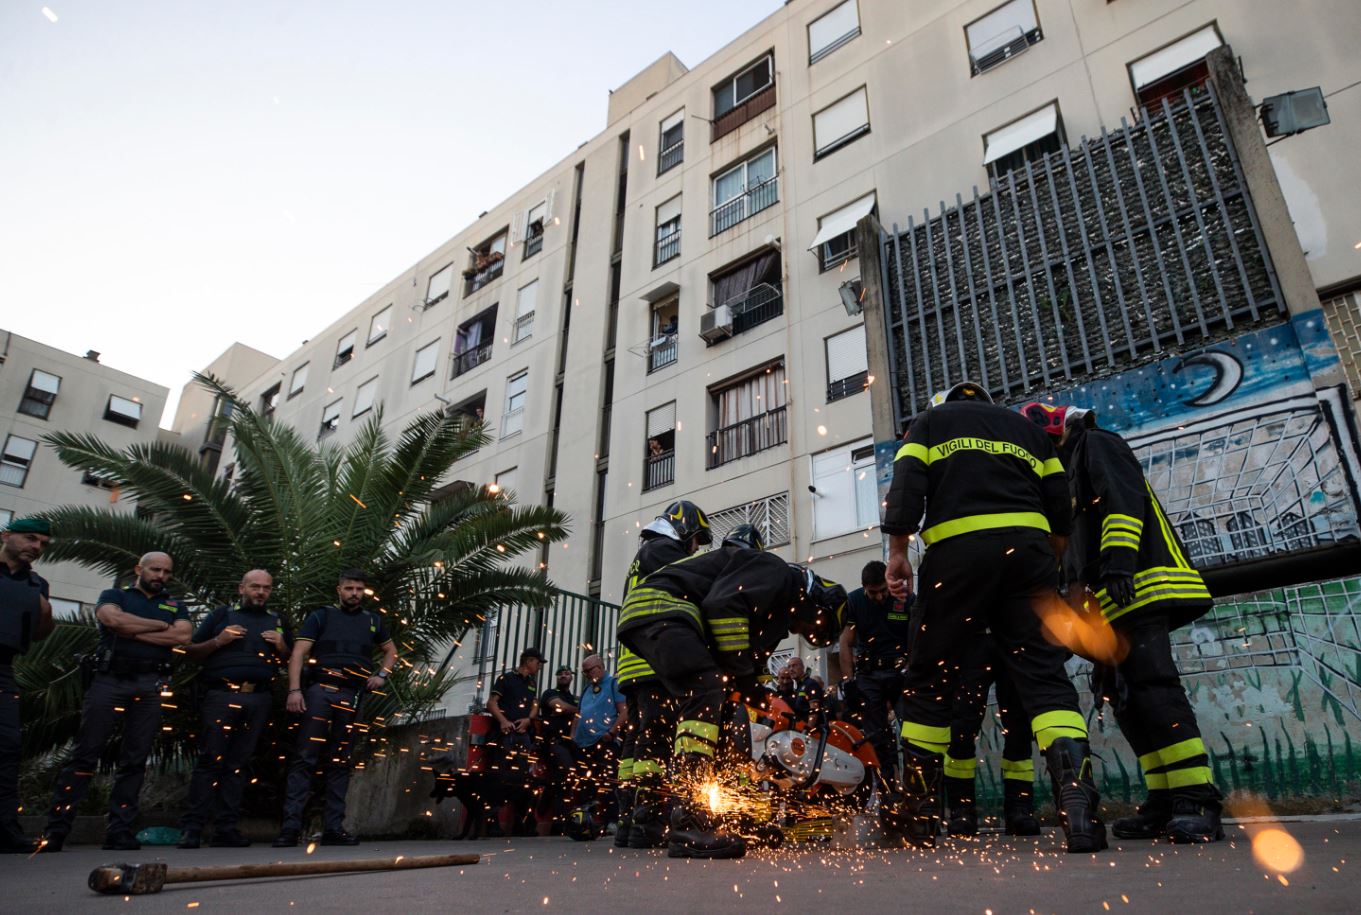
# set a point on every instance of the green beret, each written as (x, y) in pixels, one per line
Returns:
(30, 526)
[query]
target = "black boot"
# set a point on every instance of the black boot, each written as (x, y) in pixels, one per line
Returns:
(1150, 822)
(1018, 808)
(694, 834)
(959, 793)
(1195, 815)
(649, 821)
(1070, 768)
(915, 813)
(626, 797)
(190, 838)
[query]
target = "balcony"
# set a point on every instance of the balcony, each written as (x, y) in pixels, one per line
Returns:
(670, 157)
(477, 277)
(533, 245)
(661, 352)
(747, 437)
(729, 121)
(745, 205)
(756, 306)
(667, 248)
(470, 359)
(659, 470)
(845, 387)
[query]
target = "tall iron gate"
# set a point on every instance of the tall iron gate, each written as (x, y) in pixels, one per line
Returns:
(1083, 263)
(567, 630)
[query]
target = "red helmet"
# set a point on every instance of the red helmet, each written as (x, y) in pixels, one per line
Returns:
(1048, 417)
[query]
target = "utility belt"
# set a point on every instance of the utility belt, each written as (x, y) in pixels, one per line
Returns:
(103, 660)
(873, 665)
(334, 679)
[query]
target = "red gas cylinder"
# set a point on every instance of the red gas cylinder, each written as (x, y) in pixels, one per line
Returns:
(479, 729)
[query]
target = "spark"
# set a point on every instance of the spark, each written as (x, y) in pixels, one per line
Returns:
(52, 17)
(356, 500)
(1277, 850)
(311, 847)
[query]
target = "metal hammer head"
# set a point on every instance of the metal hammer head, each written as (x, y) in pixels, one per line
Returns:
(128, 879)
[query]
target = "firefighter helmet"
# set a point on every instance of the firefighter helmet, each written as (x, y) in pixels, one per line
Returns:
(823, 615)
(688, 520)
(1054, 419)
(745, 536)
(965, 390)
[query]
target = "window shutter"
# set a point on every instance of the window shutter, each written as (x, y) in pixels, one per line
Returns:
(669, 210)
(834, 507)
(832, 26)
(527, 299)
(1001, 26)
(1175, 56)
(661, 420)
(548, 207)
(841, 119)
(516, 228)
(846, 354)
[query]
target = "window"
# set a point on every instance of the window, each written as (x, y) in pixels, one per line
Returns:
(473, 343)
(489, 259)
(747, 295)
(834, 244)
(470, 411)
(834, 28)
(749, 416)
(659, 455)
(98, 480)
(330, 418)
(437, 290)
(6, 516)
(743, 190)
(525, 302)
(123, 411)
(378, 325)
(742, 96)
(424, 364)
(662, 348)
(363, 397)
(269, 400)
(513, 420)
(1023, 141)
(840, 123)
(668, 231)
(345, 348)
(1002, 34)
(671, 147)
(1180, 65)
(505, 482)
(845, 491)
(534, 227)
(299, 381)
(16, 459)
(64, 609)
(39, 395)
(847, 368)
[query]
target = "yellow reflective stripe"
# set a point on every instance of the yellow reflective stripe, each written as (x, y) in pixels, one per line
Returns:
(644, 602)
(1019, 769)
(1128, 522)
(1155, 781)
(728, 625)
(702, 729)
(1184, 750)
(1170, 592)
(734, 645)
(691, 745)
(972, 523)
(625, 769)
(643, 767)
(990, 446)
(1185, 778)
(926, 736)
(1050, 467)
(1172, 546)
(1119, 539)
(1150, 761)
(1050, 726)
(960, 768)
(911, 450)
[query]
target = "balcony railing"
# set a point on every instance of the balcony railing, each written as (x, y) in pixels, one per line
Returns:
(475, 279)
(670, 157)
(754, 200)
(668, 247)
(747, 437)
(659, 470)
(661, 352)
(729, 121)
(533, 245)
(757, 306)
(470, 359)
(845, 387)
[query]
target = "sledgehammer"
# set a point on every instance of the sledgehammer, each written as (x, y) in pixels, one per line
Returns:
(141, 879)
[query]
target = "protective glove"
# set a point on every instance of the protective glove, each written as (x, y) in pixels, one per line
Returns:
(1119, 587)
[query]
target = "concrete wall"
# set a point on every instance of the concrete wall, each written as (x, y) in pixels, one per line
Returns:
(390, 794)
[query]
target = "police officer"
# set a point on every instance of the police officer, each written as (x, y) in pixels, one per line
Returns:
(700, 621)
(1126, 551)
(25, 616)
(514, 704)
(876, 636)
(994, 492)
(241, 648)
(139, 627)
(675, 534)
(558, 708)
(338, 643)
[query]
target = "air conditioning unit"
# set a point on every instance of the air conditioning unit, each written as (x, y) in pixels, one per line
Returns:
(716, 324)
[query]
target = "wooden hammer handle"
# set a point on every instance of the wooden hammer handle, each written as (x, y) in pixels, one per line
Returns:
(176, 874)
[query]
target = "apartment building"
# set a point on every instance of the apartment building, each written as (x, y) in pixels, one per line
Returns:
(668, 312)
(45, 390)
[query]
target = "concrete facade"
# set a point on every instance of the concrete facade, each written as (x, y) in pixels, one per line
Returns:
(82, 404)
(589, 391)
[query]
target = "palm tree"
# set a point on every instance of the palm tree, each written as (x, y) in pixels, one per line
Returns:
(439, 557)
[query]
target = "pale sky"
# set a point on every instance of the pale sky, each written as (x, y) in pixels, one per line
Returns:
(175, 176)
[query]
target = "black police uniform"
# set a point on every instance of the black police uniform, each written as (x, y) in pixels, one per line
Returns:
(126, 687)
(881, 636)
(343, 645)
(235, 683)
(801, 696)
(515, 694)
(21, 595)
(557, 732)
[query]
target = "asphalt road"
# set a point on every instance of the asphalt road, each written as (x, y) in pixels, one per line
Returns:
(992, 875)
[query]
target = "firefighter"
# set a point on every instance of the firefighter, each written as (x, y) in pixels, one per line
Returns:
(675, 534)
(705, 624)
(1128, 554)
(997, 516)
(981, 666)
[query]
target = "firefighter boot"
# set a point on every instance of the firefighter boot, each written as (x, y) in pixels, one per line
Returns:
(1018, 808)
(963, 821)
(694, 834)
(1070, 768)
(1195, 815)
(915, 814)
(626, 798)
(649, 821)
(1150, 821)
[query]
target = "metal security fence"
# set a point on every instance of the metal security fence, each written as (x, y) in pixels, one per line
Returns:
(769, 515)
(1085, 262)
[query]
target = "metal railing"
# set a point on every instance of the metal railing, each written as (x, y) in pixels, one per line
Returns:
(756, 306)
(747, 437)
(478, 278)
(659, 470)
(470, 359)
(668, 247)
(670, 157)
(533, 245)
(512, 422)
(662, 352)
(734, 118)
(769, 515)
(845, 387)
(1001, 48)
(744, 205)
